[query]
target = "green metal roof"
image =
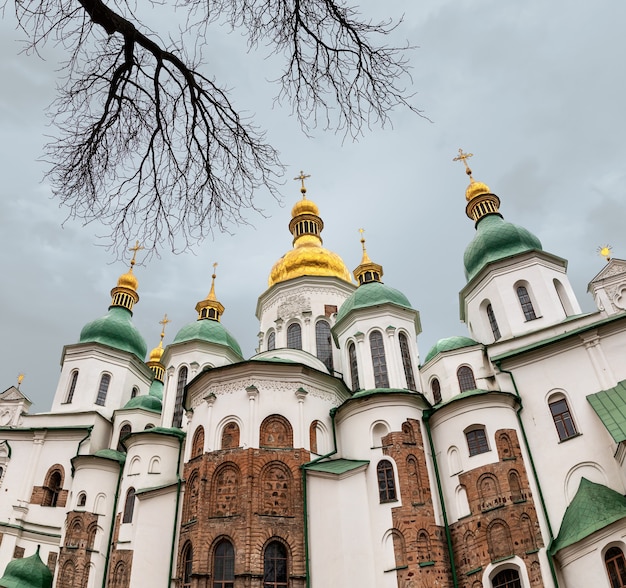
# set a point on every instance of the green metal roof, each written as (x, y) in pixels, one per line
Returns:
(27, 572)
(147, 402)
(156, 389)
(111, 454)
(593, 508)
(210, 331)
(496, 239)
(610, 406)
(116, 330)
(449, 344)
(336, 466)
(373, 391)
(372, 294)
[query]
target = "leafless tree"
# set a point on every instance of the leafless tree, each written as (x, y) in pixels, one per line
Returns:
(154, 148)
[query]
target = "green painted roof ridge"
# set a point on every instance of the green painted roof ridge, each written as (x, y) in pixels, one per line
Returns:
(594, 507)
(336, 466)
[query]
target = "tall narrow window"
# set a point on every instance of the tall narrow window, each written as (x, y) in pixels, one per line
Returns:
(187, 565)
(124, 432)
(406, 361)
(477, 441)
(134, 392)
(493, 323)
(386, 481)
(294, 336)
(354, 367)
(224, 565)
(616, 567)
(379, 362)
(275, 566)
(323, 344)
(507, 579)
(129, 506)
(105, 380)
(562, 419)
(435, 388)
(526, 303)
(465, 375)
(52, 489)
(177, 421)
(271, 341)
(72, 388)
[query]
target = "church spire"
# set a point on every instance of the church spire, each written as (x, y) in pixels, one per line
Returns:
(306, 224)
(210, 308)
(154, 363)
(480, 200)
(125, 293)
(367, 271)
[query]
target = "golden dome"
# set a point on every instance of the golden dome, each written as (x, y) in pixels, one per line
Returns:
(308, 260)
(476, 189)
(128, 280)
(157, 352)
(304, 206)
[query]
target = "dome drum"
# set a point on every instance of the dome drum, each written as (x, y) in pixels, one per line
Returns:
(481, 206)
(304, 224)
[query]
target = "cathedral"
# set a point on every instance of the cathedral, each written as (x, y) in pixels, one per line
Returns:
(338, 455)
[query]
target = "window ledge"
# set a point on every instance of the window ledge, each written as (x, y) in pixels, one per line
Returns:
(570, 438)
(474, 571)
(498, 560)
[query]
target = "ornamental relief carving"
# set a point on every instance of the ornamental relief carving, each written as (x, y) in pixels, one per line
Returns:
(271, 386)
(331, 294)
(293, 305)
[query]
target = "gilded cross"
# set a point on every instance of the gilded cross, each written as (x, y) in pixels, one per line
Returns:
(302, 177)
(134, 249)
(464, 157)
(20, 378)
(164, 322)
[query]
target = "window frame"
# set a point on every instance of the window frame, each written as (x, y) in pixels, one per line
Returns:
(354, 367)
(379, 359)
(526, 302)
(72, 387)
(294, 341)
(103, 389)
(435, 388)
(129, 506)
(614, 578)
(386, 479)
(493, 322)
(407, 364)
(477, 440)
(507, 582)
(565, 425)
(271, 341)
(224, 575)
(181, 382)
(275, 551)
(463, 374)
(324, 344)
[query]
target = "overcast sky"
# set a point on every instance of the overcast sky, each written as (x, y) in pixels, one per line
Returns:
(535, 89)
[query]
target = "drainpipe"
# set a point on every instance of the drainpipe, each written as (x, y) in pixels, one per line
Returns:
(178, 485)
(303, 468)
(426, 418)
(532, 467)
(89, 429)
(110, 543)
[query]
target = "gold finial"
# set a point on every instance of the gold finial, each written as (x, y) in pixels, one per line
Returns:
(211, 295)
(605, 251)
(366, 258)
(210, 308)
(164, 322)
(464, 157)
(20, 378)
(134, 249)
(302, 177)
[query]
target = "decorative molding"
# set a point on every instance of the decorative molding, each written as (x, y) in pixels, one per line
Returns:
(294, 305)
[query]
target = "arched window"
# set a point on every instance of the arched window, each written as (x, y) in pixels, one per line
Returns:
(82, 499)
(465, 375)
(271, 341)
(224, 565)
(406, 361)
(124, 432)
(177, 421)
(134, 392)
(354, 367)
(275, 566)
(435, 388)
(493, 323)
(72, 388)
(230, 436)
(225, 495)
(276, 431)
(129, 506)
(187, 565)
(562, 417)
(386, 481)
(313, 437)
(379, 362)
(323, 344)
(294, 336)
(277, 489)
(526, 303)
(197, 445)
(476, 440)
(615, 567)
(53, 487)
(190, 504)
(103, 388)
(507, 579)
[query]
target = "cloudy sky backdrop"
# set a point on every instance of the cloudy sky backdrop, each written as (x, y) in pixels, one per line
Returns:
(535, 89)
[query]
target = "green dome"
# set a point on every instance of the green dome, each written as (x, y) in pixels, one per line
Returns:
(449, 344)
(210, 331)
(116, 330)
(496, 239)
(146, 402)
(156, 389)
(27, 572)
(372, 294)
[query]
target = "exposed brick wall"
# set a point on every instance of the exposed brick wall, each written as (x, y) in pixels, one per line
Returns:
(120, 563)
(75, 553)
(52, 561)
(249, 496)
(502, 521)
(419, 543)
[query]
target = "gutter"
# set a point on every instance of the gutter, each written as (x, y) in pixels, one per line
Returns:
(178, 485)
(544, 509)
(303, 467)
(89, 430)
(426, 418)
(110, 543)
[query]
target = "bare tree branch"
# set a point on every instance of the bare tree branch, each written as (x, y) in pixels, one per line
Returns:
(155, 149)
